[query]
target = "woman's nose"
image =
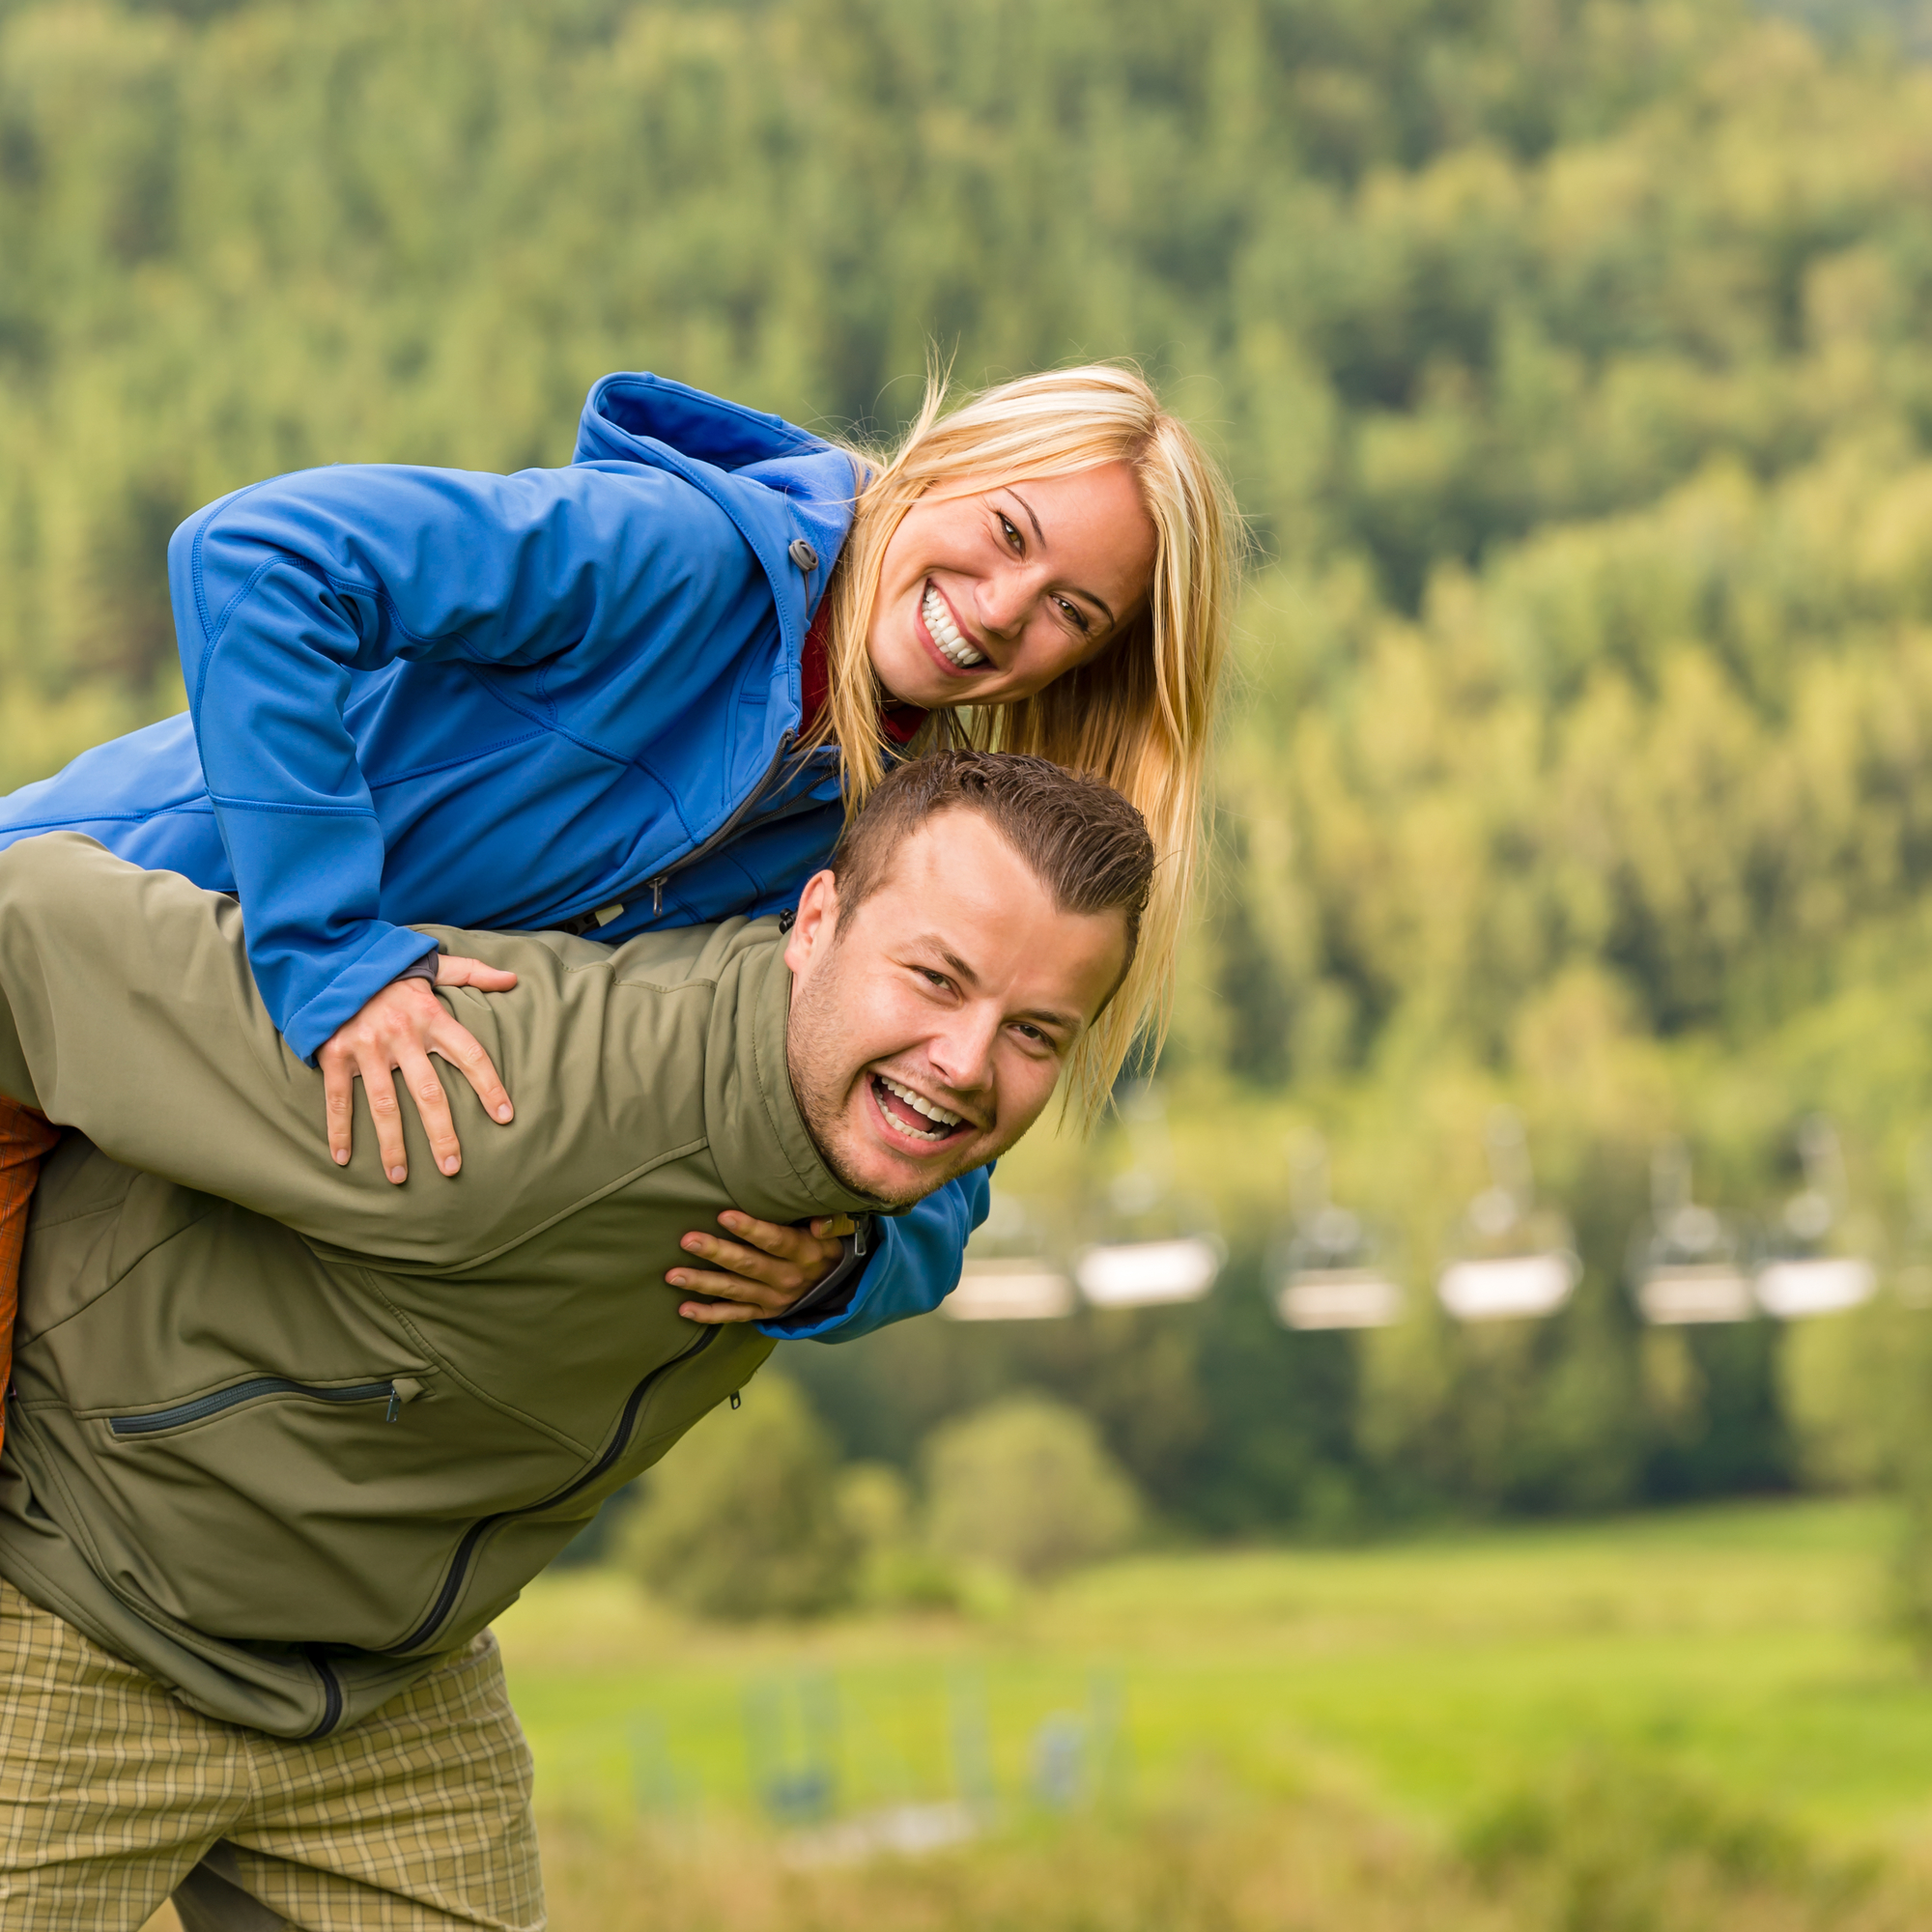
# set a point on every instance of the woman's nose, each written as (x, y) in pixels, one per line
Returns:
(1005, 600)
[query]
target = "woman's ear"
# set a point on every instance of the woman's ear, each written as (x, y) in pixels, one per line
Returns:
(816, 925)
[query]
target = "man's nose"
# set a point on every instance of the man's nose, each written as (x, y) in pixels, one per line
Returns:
(961, 1051)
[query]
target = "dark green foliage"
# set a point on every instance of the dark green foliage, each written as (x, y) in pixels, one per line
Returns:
(1575, 366)
(742, 1520)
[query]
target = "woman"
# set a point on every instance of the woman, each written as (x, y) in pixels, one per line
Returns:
(641, 691)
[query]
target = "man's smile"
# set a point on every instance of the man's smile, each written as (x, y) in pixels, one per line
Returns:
(912, 1117)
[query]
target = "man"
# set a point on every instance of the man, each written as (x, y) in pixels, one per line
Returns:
(284, 1441)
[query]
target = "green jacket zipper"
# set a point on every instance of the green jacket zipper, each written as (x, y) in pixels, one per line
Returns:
(256, 1386)
(465, 1551)
(331, 1693)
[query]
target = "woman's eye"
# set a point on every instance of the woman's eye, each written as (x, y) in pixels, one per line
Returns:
(933, 979)
(1075, 615)
(1007, 530)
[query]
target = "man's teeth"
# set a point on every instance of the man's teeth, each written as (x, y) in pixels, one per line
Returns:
(944, 632)
(944, 1122)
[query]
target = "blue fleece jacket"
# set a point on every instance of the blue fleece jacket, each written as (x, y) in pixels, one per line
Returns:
(565, 696)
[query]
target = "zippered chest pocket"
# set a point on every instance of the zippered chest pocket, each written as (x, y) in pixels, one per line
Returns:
(392, 1391)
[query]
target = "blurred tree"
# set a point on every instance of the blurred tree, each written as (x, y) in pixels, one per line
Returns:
(1575, 366)
(1024, 1487)
(742, 1519)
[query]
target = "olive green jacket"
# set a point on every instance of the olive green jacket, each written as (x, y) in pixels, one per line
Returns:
(284, 1433)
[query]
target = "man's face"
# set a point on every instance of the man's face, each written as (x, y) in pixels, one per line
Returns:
(930, 1027)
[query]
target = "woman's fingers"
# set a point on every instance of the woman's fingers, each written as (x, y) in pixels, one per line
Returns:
(456, 1044)
(338, 1107)
(433, 1104)
(715, 1313)
(395, 1033)
(757, 1276)
(758, 1302)
(454, 970)
(378, 1090)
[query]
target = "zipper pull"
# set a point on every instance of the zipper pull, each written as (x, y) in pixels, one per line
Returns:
(737, 1399)
(656, 894)
(404, 1388)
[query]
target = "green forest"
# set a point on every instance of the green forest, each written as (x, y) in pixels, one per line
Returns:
(1573, 361)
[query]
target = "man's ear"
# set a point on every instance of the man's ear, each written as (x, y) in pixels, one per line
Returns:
(817, 923)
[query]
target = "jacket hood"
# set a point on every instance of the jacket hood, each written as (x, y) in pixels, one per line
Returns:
(776, 481)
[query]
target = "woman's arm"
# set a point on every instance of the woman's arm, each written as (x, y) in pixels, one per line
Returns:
(915, 1266)
(285, 591)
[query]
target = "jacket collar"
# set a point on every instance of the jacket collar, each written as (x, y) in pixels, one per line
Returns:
(770, 1165)
(777, 482)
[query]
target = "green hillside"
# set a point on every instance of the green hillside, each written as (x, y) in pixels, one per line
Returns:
(1572, 361)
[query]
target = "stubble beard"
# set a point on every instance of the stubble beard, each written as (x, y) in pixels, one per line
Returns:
(819, 1085)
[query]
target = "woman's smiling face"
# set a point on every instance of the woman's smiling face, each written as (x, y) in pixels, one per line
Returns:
(988, 597)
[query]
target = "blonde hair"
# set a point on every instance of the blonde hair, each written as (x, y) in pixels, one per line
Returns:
(1140, 715)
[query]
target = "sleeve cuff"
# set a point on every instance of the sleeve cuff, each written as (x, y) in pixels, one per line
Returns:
(308, 1029)
(827, 1304)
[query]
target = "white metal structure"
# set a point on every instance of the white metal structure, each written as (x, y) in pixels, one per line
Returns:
(1826, 1284)
(1508, 1287)
(1515, 1260)
(1338, 1298)
(1141, 1275)
(1010, 1290)
(1671, 1296)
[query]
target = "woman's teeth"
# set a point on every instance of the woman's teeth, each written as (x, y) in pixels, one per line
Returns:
(943, 1122)
(944, 632)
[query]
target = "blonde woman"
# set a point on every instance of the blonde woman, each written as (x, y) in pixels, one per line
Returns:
(643, 691)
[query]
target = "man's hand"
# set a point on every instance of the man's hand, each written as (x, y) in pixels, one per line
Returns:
(761, 1274)
(396, 1033)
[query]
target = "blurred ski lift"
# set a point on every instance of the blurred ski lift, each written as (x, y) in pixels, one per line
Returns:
(1327, 1273)
(1685, 1258)
(1801, 1276)
(1007, 1276)
(1161, 1246)
(1516, 1259)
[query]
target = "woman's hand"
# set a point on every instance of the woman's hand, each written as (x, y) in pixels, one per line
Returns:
(760, 1274)
(397, 1032)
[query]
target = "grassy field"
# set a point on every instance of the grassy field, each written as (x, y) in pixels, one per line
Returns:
(1686, 1722)
(1739, 1647)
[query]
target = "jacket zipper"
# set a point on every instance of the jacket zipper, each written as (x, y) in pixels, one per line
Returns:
(584, 921)
(465, 1551)
(332, 1694)
(259, 1385)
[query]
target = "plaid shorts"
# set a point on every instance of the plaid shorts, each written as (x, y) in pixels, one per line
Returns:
(112, 1792)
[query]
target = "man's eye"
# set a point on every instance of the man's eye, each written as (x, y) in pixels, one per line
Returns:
(938, 979)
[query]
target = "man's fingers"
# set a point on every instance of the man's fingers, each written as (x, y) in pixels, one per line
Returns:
(464, 1051)
(379, 1089)
(433, 1104)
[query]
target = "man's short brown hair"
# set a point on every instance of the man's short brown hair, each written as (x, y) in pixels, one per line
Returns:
(1081, 838)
